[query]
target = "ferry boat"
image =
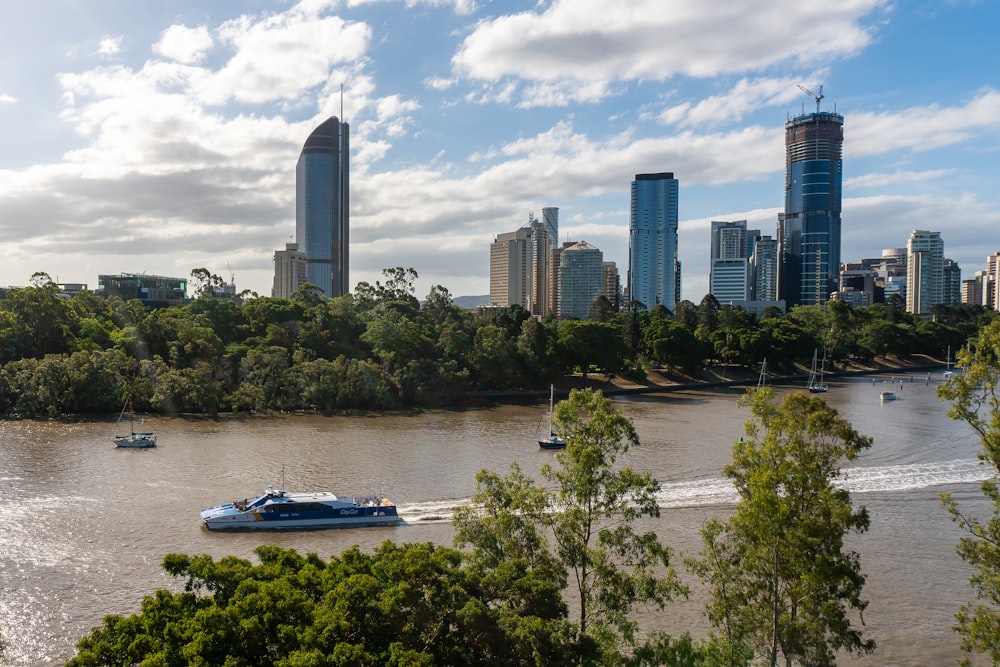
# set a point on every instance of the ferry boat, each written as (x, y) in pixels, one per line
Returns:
(279, 509)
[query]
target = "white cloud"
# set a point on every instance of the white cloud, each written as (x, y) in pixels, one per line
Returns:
(924, 128)
(110, 46)
(7, 99)
(883, 180)
(183, 44)
(588, 44)
(280, 57)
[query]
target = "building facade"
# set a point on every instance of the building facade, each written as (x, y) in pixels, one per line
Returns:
(289, 271)
(511, 269)
(153, 291)
(581, 273)
(952, 283)
(809, 228)
(764, 269)
(322, 206)
(924, 271)
(654, 272)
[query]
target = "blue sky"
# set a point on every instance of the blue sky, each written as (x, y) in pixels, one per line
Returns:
(162, 137)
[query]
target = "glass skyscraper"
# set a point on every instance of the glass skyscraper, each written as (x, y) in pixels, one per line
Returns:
(653, 271)
(809, 229)
(321, 206)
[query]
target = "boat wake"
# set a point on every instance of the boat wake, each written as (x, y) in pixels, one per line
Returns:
(720, 491)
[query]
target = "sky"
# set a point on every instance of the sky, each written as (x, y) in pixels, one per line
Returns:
(149, 137)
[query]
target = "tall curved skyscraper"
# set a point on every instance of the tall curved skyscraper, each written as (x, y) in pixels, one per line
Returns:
(809, 229)
(322, 206)
(653, 269)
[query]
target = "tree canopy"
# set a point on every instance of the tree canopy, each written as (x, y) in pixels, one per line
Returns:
(974, 400)
(782, 582)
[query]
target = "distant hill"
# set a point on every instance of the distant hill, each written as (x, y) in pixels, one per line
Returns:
(471, 301)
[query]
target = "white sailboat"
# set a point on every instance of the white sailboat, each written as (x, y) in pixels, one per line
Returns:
(814, 386)
(553, 441)
(136, 439)
(947, 365)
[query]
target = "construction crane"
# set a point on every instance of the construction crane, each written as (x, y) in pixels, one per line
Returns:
(812, 94)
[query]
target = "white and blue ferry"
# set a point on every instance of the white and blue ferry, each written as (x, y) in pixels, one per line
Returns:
(279, 509)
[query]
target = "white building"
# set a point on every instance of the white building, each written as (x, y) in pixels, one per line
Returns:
(924, 271)
(581, 279)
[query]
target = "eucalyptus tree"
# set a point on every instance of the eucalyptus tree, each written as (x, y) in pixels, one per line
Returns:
(782, 582)
(974, 397)
(580, 527)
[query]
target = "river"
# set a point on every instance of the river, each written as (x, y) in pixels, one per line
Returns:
(84, 526)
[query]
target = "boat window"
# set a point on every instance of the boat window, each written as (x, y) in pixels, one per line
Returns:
(296, 507)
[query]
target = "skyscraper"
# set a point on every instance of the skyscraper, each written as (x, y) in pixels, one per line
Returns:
(729, 271)
(809, 228)
(581, 273)
(924, 271)
(322, 206)
(511, 269)
(653, 269)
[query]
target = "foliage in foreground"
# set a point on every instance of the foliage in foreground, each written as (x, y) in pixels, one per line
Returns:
(580, 528)
(412, 604)
(781, 581)
(974, 398)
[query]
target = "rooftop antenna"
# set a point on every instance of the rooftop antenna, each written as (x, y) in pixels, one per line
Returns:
(813, 95)
(342, 102)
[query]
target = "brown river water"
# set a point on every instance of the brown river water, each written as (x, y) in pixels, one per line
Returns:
(84, 526)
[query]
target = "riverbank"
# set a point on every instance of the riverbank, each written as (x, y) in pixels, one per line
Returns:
(657, 380)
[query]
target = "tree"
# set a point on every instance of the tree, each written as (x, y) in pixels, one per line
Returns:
(588, 509)
(411, 604)
(781, 581)
(974, 400)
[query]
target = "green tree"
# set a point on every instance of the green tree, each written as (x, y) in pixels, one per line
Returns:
(782, 582)
(589, 510)
(411, 604)
(974, 400)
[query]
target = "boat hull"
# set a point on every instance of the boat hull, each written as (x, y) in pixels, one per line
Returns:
(297, 516)
(552, 443)
(136, 441)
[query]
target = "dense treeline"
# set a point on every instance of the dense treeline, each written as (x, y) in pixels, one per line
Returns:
(381, 347)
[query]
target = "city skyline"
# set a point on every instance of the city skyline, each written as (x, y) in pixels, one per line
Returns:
(160, 139)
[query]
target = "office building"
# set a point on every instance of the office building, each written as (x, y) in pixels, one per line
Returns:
(809, 228)
(289, 271)
(152, 291)
(654, 272)
(612, 285)
(924, 271)
(952, 283)
(581, 272)
(729, 267)
(510, 269)
(764, 269)
(322, 178)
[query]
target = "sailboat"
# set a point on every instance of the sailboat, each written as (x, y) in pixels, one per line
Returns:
(138, 439)
(553, 441)
(947, 365)
(814, 386)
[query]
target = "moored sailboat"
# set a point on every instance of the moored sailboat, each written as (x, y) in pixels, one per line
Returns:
(553, 441)
(135, 439)
(814, 386)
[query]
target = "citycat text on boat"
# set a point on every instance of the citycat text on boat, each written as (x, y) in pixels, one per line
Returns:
(279, 509)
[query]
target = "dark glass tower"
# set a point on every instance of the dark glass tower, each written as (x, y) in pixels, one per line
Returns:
(321, 206)
(809, 229)
(653, 269)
